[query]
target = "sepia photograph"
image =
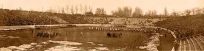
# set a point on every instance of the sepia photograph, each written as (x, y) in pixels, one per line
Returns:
(101, 25)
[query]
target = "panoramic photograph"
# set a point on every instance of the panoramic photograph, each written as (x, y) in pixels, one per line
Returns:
(101, 25)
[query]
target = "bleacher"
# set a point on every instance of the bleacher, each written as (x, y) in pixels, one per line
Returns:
(194, 43)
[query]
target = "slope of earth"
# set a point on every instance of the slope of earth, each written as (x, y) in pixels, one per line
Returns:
(187, 29)
(184, 26)
(20, 17)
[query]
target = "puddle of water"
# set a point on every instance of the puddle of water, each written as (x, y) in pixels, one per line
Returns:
(101, 48)
(18, 48)
(5, 36)
(63, 48)
(5, 49)
(152, 44)
(66, 42)
(92, 43)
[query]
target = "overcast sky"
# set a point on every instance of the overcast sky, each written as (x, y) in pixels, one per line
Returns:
(109, 5)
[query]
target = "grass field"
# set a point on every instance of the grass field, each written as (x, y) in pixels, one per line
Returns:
(130, 40)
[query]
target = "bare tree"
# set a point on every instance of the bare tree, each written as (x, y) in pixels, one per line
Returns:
(174, 13)
(85, 9)
(198, 11)
(193, 11)
(137, 13)
(100, 11)
(81, 8)
(165, 12)
(67, 9)
(123, 12)
(127, 11)
(90, 9)
(187, 12)
(76, 9)
(63, 10)
(151, 13)
(117, 13)
(51, 10)
(88, 13)
(19, 8)
(72, 10)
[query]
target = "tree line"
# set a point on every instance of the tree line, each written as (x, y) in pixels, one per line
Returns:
(123, 12)
(126, 12)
